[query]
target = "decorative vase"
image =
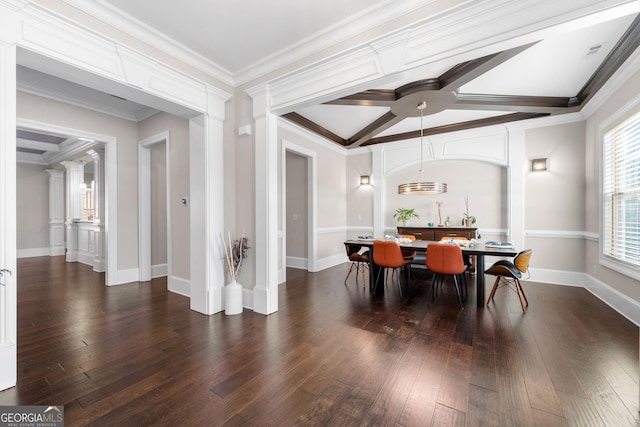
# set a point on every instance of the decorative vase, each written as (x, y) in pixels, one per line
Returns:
(233, 298)
(468, 222)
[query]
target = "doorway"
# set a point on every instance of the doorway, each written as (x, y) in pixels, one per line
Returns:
(154, 217)
(299, 226)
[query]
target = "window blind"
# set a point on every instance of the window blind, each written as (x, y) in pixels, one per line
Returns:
(621, 191)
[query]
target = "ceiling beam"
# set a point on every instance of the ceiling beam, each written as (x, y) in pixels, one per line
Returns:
(525, 104)
(371, 97)
(380, 124)
(465, 72)
(314, 127)
(455, 127)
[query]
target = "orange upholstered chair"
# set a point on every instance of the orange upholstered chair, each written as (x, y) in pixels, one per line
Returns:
(508, 273)
(358, 260)
(445, 260)
(388, 255)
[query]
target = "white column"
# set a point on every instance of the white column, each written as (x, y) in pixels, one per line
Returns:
(379, 190)
(8, 281)
(265, 294)
(74, 176)
(206, 187)
(56, 212)
(98, 209)
(516, 179)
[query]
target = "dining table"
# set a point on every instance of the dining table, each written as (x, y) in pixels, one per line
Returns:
(476, 248)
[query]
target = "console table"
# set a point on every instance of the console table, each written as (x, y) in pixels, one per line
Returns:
(437, 233)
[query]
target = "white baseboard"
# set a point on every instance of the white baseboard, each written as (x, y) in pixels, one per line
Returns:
(624, 305)
(159, 270)
(57, 251)
(295, 262)
(331, 261)
(123, 276)
(627, 307)
(179, 285)
(33, 252)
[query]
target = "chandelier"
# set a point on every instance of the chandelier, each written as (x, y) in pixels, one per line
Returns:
(422, 187)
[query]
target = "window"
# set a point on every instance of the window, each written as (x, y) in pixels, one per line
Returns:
(621, 192)
(87, 203)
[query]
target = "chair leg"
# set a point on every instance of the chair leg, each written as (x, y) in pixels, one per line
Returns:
(375, 285)
(432, 293)
(465, 293)
(397, 273)
(521, 294)
(493, 290)
(455, 281)
(348, 273)
(362, 264)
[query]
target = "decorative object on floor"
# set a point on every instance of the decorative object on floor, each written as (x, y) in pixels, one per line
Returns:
(235, 253)
(467, 220)
(422, 187)
(404, 215)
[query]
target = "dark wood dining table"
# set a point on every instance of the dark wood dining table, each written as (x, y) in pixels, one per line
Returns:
(478, 249)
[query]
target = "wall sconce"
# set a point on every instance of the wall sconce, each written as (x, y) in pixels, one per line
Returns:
(83, 188)
(538, 165)
(365, 180)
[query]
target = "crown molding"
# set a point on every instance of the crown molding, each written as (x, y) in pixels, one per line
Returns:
(143, 32)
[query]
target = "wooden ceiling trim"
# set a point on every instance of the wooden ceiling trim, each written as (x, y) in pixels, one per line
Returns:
(380, 124)
(371, 97)
(417, 86)
(314, 127)
(456, 127)
(465, 72)
(513, 102)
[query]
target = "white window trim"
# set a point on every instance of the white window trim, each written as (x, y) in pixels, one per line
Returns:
(620, 115)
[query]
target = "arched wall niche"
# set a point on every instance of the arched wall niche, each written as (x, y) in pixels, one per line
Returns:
(485, 184)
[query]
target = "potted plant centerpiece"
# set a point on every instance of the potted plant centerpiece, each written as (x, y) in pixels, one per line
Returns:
(235, 253)
(404, 215)
(467, 220)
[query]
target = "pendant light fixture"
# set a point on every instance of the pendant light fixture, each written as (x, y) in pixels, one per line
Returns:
(422, 187)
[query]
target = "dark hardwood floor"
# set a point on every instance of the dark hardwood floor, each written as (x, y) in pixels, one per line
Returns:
(136, 355)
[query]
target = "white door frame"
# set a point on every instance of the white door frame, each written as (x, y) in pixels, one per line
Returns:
(144, 204)
(312, 244)
(8, 263)
(110, 182)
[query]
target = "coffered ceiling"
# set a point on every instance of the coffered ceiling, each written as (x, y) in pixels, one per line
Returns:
(557, 73)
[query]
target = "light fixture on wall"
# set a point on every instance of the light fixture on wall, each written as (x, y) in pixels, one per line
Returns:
(422, 187)
(538, 165)
(365, 180)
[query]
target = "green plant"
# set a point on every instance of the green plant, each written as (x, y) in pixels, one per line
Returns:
(403, 214)
(465, 215)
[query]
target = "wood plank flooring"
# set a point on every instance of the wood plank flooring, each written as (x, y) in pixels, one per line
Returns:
(136, 355)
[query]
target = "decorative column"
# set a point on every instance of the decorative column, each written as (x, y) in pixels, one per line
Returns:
(379, 189)
(56, 212)
(97, 154)
(74, 176)
(265, 294)
(516, 186)
(8, 264)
